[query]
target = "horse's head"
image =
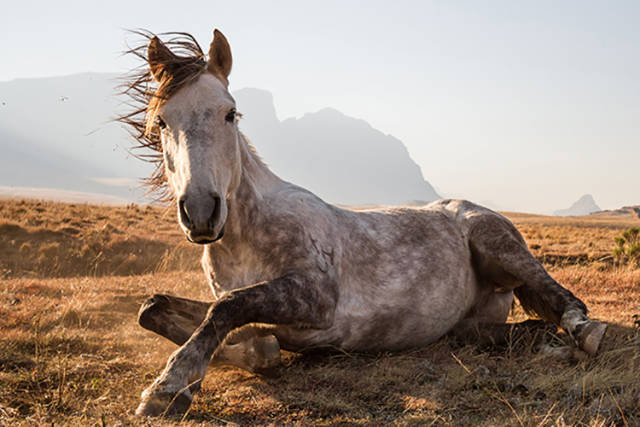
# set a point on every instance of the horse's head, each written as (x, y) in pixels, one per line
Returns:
(199, 134)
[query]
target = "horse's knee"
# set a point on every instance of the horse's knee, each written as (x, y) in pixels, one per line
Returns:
(500, 254)
(172, 317)
(150, 310)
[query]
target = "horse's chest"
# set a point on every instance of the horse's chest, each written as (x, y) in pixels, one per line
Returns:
(232, 271)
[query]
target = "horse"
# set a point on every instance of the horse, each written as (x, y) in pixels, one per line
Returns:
(288, 270)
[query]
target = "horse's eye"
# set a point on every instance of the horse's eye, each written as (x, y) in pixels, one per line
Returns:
(231, 116)
(161, 123)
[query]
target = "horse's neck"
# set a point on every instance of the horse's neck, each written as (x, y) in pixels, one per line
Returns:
(233, 260)
(256, 181)
(255, 173)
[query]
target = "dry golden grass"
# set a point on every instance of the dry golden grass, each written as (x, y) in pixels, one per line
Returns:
(72, 354)
(572, 240)
(50, 239)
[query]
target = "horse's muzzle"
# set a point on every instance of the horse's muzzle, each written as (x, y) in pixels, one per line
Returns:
(199, 217)
(204, 239)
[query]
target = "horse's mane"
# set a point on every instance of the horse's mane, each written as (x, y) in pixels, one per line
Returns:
(146, 96)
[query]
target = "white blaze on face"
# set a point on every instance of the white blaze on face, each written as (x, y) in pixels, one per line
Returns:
(200, 145)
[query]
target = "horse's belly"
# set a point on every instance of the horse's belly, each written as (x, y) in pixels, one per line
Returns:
(417, 316)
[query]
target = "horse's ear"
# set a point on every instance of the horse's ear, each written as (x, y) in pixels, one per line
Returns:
(220, 56)
(159, 57)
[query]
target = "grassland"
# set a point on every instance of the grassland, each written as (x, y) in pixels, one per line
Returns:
(48, 239)
(73, 277)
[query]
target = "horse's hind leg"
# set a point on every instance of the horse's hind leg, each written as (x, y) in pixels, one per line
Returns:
(485, 324)
(532, 331)
(251, 348)
(502, 259)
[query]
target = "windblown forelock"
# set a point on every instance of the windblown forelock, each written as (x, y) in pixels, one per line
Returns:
(145, 96)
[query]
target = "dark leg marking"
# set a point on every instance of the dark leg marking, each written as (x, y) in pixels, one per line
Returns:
(251, 347)
(290, 300)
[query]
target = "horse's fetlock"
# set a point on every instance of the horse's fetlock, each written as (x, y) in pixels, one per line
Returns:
(572, 319)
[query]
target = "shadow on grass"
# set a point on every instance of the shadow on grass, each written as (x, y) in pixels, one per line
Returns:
(443, 383)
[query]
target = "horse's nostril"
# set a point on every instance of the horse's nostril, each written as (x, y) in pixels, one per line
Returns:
(184, 216)
(199, 215)
(215, 213)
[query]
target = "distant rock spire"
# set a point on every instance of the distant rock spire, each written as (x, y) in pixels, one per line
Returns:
(584, 206)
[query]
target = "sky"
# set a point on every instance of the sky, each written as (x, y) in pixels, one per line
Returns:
(523, 106)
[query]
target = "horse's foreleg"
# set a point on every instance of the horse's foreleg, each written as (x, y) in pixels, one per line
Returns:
(290, 300)
(251, 348)
(502, 258)
(172, 317)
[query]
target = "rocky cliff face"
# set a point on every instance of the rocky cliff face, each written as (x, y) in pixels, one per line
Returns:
(340, 158)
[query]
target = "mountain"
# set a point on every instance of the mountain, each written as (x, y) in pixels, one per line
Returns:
(57, 133)
(584, 206)
(342, 159)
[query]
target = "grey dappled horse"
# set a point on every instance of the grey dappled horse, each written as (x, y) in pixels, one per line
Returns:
(287, 269)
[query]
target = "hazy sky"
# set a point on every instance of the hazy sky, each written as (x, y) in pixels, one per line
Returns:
(526, 105)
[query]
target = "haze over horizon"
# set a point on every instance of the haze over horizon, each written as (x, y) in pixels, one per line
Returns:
(525, 106)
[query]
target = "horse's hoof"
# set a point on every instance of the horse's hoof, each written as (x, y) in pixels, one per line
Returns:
(156, 404)
(590, 336)
(567, 352)
(268, 350)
